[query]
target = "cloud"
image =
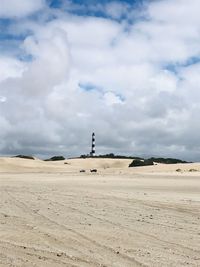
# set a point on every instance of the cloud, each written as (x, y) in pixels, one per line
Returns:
(136, 84)
(117, 10)
(19, 8)
(10, 67)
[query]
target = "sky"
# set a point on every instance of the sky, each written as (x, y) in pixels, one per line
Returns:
(127, 70)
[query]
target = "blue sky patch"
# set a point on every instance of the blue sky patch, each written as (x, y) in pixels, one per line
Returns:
(90, 7)
(174, 67)
(89, 87)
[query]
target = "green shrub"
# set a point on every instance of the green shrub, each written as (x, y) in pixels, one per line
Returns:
(193, 170)
(55, 158)
(168, 160)
(24, 157)
(138, 163)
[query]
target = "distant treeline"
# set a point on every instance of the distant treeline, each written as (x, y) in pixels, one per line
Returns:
(54, 158)
(110, 156)
(147, 161)
(137, 161)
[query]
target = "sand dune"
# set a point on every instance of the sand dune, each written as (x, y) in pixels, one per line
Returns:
(103, 165)
(18, 164)
(53, 215)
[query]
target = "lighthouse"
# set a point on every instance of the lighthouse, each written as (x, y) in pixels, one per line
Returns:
(92, 153)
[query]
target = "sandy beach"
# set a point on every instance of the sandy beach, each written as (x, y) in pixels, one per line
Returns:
(53, 215)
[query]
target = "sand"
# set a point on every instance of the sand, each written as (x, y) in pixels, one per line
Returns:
(53, 215)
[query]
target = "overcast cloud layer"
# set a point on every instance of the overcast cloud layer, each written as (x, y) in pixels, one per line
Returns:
(131, 74)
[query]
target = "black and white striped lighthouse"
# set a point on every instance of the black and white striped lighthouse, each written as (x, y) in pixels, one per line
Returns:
(92, 153)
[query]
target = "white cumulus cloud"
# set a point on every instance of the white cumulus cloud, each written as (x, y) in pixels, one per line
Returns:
(135, 84)
(19, 8)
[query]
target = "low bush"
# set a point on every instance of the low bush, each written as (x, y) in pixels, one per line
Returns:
(168, 160)
(193, 170)
(55, 158)
(138, 163)
(24, 157)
